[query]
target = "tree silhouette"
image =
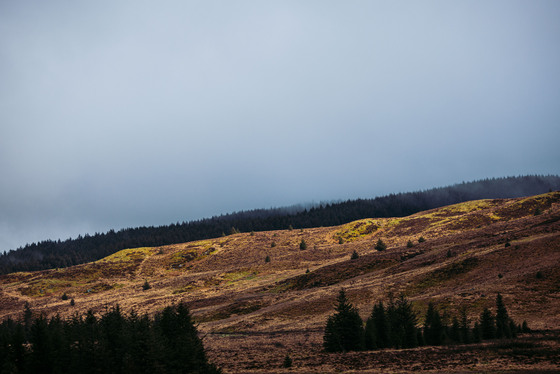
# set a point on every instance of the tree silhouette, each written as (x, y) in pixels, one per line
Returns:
(344, 330)
(380, 245)
(502, 319)
(487, 325)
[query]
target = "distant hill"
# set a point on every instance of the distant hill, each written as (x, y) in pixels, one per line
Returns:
(59, 254)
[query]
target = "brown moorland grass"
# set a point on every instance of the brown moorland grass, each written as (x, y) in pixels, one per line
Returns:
(253, 312)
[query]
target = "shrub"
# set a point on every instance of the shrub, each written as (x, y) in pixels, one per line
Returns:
(267, 259)
(303, 245)
(64, 296)
(287, 362)
(409, 244)
(421, 239)
(380, 245)
(525, 327)
(354, 256)
(273, 244)
(538, 211)
(146, 286)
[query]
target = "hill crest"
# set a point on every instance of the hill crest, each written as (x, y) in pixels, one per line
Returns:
(229, 283)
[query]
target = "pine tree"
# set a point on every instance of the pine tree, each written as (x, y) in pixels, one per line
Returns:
(303, 245)
(455, 331)
(377, 328)
(382, 327)
(402, 320)
(465, 331)
(525, 327)
(287, 363)
(476, 333)
(502, 319)
(344, 329)
(370, 334)
(487, 325)
(433, 327)
(354, 255)
(380, 245)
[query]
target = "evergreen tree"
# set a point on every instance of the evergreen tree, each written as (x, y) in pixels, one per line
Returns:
(113, 343)
(370, 334)
(455, 331)
(402, 320)
(434, 330)
(344, 329)
(303, 245)
(502, 319)
(476, 333)
(377, 328)
(354, 255)
(465, 331)
(287, 363)
(487, 325)
(380, 245)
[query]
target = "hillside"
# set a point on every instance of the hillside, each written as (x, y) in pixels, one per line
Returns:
(472, 251)
(50, 254)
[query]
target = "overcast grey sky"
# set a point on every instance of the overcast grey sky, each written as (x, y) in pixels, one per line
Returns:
(124, 113)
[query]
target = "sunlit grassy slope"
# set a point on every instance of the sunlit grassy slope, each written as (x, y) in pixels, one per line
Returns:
(472, 251)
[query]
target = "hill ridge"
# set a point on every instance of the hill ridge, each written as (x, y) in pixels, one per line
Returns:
(58, 254)
(200, 271)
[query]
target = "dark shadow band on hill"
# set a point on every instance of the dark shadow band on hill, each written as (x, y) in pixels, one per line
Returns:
(59, 254)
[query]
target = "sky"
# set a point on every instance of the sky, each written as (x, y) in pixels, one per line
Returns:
(118, 113)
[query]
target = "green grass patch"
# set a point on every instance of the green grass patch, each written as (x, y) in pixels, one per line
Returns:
(132, 254)
(192, 253)
(237, 276)
(357, 229)
(45, 287)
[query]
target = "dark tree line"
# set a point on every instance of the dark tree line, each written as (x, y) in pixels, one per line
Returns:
(57, 254)
(111, 343)
(396, 326)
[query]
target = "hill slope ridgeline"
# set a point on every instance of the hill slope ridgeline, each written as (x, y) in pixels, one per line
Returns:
(58, 254)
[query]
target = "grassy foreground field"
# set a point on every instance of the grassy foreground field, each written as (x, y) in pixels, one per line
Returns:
(252, 312)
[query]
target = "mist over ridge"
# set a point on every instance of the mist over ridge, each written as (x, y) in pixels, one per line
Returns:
(55, 254)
